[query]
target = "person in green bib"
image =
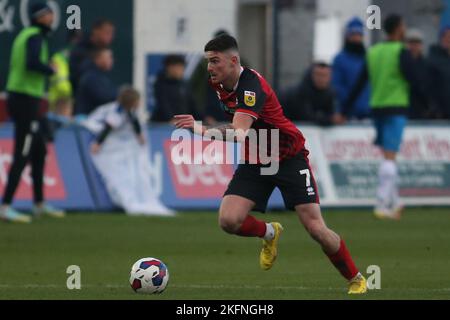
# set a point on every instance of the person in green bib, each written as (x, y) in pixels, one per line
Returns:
(390, 72)
(26, 86)
(60, 91)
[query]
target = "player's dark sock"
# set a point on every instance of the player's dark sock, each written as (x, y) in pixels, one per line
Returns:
(344, 262)
(252, 227)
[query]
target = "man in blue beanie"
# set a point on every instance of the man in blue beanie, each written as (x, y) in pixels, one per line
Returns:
(439, 75)
(347, 66)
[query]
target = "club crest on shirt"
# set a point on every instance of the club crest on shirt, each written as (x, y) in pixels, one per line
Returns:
(249, 98)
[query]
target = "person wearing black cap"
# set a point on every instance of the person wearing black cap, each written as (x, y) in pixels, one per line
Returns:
(29, 70)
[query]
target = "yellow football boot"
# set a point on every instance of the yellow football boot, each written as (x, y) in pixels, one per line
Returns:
(269, 251)
(358, 285)
(395, 214)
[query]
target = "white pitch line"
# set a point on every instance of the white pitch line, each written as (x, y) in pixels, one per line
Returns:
(206, 286)
(193, 286)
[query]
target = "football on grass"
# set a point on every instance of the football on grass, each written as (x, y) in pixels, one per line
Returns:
(149, 275)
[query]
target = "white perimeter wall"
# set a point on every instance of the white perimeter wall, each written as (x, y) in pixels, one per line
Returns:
(158, 26)
(329, 27)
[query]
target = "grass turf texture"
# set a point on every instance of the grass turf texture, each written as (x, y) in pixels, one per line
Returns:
(206, 263)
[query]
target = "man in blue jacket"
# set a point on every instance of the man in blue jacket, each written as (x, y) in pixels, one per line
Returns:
(347, 66)
(100, 36)
(96, 87)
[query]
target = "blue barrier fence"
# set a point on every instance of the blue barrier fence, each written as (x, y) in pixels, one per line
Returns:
(344, 161)
(67, 184)
(73, 183)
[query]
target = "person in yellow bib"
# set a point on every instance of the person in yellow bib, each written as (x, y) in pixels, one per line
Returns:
(60, 88)
(29, 69)
(390, 71)
(60, 91)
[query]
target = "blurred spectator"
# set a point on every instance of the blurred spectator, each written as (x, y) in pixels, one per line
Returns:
(172, 93)
(60, 93)
(124, 110)
(439, 73)
(101, 36)
(96, 88)
(347, 66)
(313, 100)
(26, 86)
(120, 154)
(418, 97)
(390, 69)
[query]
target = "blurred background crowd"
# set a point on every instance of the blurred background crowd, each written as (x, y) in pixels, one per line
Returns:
(315, 93)
(314, 53)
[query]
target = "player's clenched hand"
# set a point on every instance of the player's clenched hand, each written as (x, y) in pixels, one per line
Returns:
(187, 121)
(184, 121)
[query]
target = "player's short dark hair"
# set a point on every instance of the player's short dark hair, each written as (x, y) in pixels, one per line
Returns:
(220, 32)
(392, 22)
(101, 22)
(173, 59)
(222, 43)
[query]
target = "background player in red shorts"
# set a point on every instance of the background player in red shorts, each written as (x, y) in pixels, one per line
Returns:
(252, 105)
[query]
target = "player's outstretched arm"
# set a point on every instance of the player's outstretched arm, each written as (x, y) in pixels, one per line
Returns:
(233, 132)
(187, 121)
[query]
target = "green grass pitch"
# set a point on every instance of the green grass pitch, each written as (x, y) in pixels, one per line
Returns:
(206, 263)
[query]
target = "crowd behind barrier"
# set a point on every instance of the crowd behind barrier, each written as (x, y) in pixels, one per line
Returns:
(344, 159)
(344, 156)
